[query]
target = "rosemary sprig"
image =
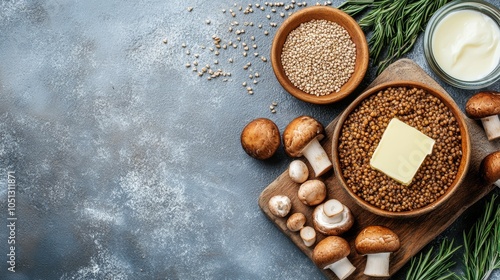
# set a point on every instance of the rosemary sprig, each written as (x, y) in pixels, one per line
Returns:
(431, 266)
(354, 7)
(394, 25)
(482, 244)
(481, 254)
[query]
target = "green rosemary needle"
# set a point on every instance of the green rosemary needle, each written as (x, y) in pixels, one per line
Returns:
(431, 266)
(394, 25)
(482, 244)
(354, 7)
(480, 257)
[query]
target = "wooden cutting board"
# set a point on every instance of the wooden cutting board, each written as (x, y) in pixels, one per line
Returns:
(414, 233)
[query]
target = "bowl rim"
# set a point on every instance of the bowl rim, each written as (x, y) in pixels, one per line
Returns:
(464, 163)
(319, 12)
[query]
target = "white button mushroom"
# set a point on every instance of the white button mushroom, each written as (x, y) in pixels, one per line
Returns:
(332, 218)
(377, 243)
(331, 253)
(296, 221)
(486, 106)
(490, 168)
(312, 192)
(298, 171)
(301, 138)
(308, 235)
(260, 138)
(280, 205)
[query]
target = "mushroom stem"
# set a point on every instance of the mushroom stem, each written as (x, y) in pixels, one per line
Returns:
(377, 264)
(337, 218)
(333, 210)
(343, 268)
(491, 126)
(308, 235)
(317, 157)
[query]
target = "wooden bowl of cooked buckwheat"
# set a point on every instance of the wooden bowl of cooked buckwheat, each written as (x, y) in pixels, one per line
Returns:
(401, 149)
(319, 55)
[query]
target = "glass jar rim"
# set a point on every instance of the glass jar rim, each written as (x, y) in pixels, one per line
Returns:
(476, 5)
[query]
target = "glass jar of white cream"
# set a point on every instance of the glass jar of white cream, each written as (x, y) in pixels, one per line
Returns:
(462, 44)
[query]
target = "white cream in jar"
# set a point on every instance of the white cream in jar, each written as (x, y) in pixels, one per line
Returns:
(466, 45)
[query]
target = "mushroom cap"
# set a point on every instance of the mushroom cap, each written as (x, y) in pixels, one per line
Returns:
(280, 205)
(260, 138)
(312, 192)
(483, 104)
(330, 250)
(298, 171)
(490, 167)
(376, 239)
(299, 132)
(321, 223)
(296, 221)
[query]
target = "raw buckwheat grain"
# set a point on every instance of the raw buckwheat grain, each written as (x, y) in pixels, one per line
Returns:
(319, 57)
(363, 129)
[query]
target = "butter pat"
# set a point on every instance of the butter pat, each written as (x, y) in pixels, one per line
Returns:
(401, 151)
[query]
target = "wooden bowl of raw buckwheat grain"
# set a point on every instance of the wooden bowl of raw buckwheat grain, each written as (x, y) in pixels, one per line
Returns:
(319, 55)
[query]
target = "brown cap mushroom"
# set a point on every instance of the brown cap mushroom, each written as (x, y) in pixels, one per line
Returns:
(296, 221)
(490, 168)
(280, 205)
(312, 192)
(298, 171)
(301, 138)
(486, 106)
(260, 138)
(308, 235)
(331, 253)
(377, 242)
(332, 218)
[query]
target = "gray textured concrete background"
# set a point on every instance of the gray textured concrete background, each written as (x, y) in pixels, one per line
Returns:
(129, 165)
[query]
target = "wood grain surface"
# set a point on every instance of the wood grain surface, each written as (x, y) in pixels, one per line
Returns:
(414, 233)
